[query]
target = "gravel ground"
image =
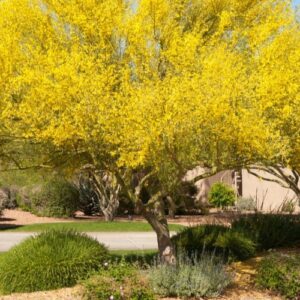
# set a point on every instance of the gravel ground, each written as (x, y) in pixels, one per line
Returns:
(61, 294)
(75, 294)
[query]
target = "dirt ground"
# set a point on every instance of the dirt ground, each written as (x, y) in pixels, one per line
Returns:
(19, 217)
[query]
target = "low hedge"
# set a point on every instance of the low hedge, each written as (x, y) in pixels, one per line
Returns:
(269, 231)
(246, 236)
(231, 244)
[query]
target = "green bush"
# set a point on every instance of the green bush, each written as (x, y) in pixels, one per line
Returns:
(120, 280)
(232, 244)
(280, 273)
(204, 277)
(221, 195)
(269, 230)
(57, 198)
(51, 260)
(24, 196)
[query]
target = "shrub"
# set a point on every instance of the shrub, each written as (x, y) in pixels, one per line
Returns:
(120, 280)
(88, 199)
(280, 273)
(233, 245)
(57, 198)
(23, 196)
(269, 230)
(204, 277)
(51, 260)
(248, 204)
(221, 195)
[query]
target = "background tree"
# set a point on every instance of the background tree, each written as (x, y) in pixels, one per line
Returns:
(279, 105)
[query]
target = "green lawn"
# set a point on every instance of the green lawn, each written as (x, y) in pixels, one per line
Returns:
(92, 227)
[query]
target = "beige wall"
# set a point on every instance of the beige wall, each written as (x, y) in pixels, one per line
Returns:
(272, 193)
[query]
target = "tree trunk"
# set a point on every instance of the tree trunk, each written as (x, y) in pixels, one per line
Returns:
(171, 207)
(109, 214)
(107, 190)
(165, 247)
(158, 221)
(154, 212)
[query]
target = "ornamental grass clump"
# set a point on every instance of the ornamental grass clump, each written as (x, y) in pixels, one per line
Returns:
(205, 276)
(50, 260)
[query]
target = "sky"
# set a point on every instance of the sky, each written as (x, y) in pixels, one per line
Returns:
(296, 2)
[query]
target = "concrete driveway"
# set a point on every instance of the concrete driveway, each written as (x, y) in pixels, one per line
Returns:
(113, 240)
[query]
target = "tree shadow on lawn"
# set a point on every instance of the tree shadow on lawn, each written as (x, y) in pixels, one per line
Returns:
(4, 227)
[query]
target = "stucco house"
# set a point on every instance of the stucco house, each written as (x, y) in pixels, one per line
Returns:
(269, 195)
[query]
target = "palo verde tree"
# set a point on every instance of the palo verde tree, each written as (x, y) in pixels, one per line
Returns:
(279, 93)
(141, 90)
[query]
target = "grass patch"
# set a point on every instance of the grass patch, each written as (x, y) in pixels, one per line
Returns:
(93, 227)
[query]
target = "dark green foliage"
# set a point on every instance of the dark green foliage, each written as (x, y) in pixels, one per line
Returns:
(222, 240)
(7, 198)
(57, 198)
(221, 195)
(203, 277)
(280, 273)
(51, 260)
(88, 199)
(142, 259)
(247, 235)
(120, 280)
(270, 230)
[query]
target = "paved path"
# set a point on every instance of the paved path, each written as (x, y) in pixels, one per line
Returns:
(114, 240)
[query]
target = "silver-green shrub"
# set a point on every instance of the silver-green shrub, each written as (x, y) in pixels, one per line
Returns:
(197, 277)
(248, 204)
